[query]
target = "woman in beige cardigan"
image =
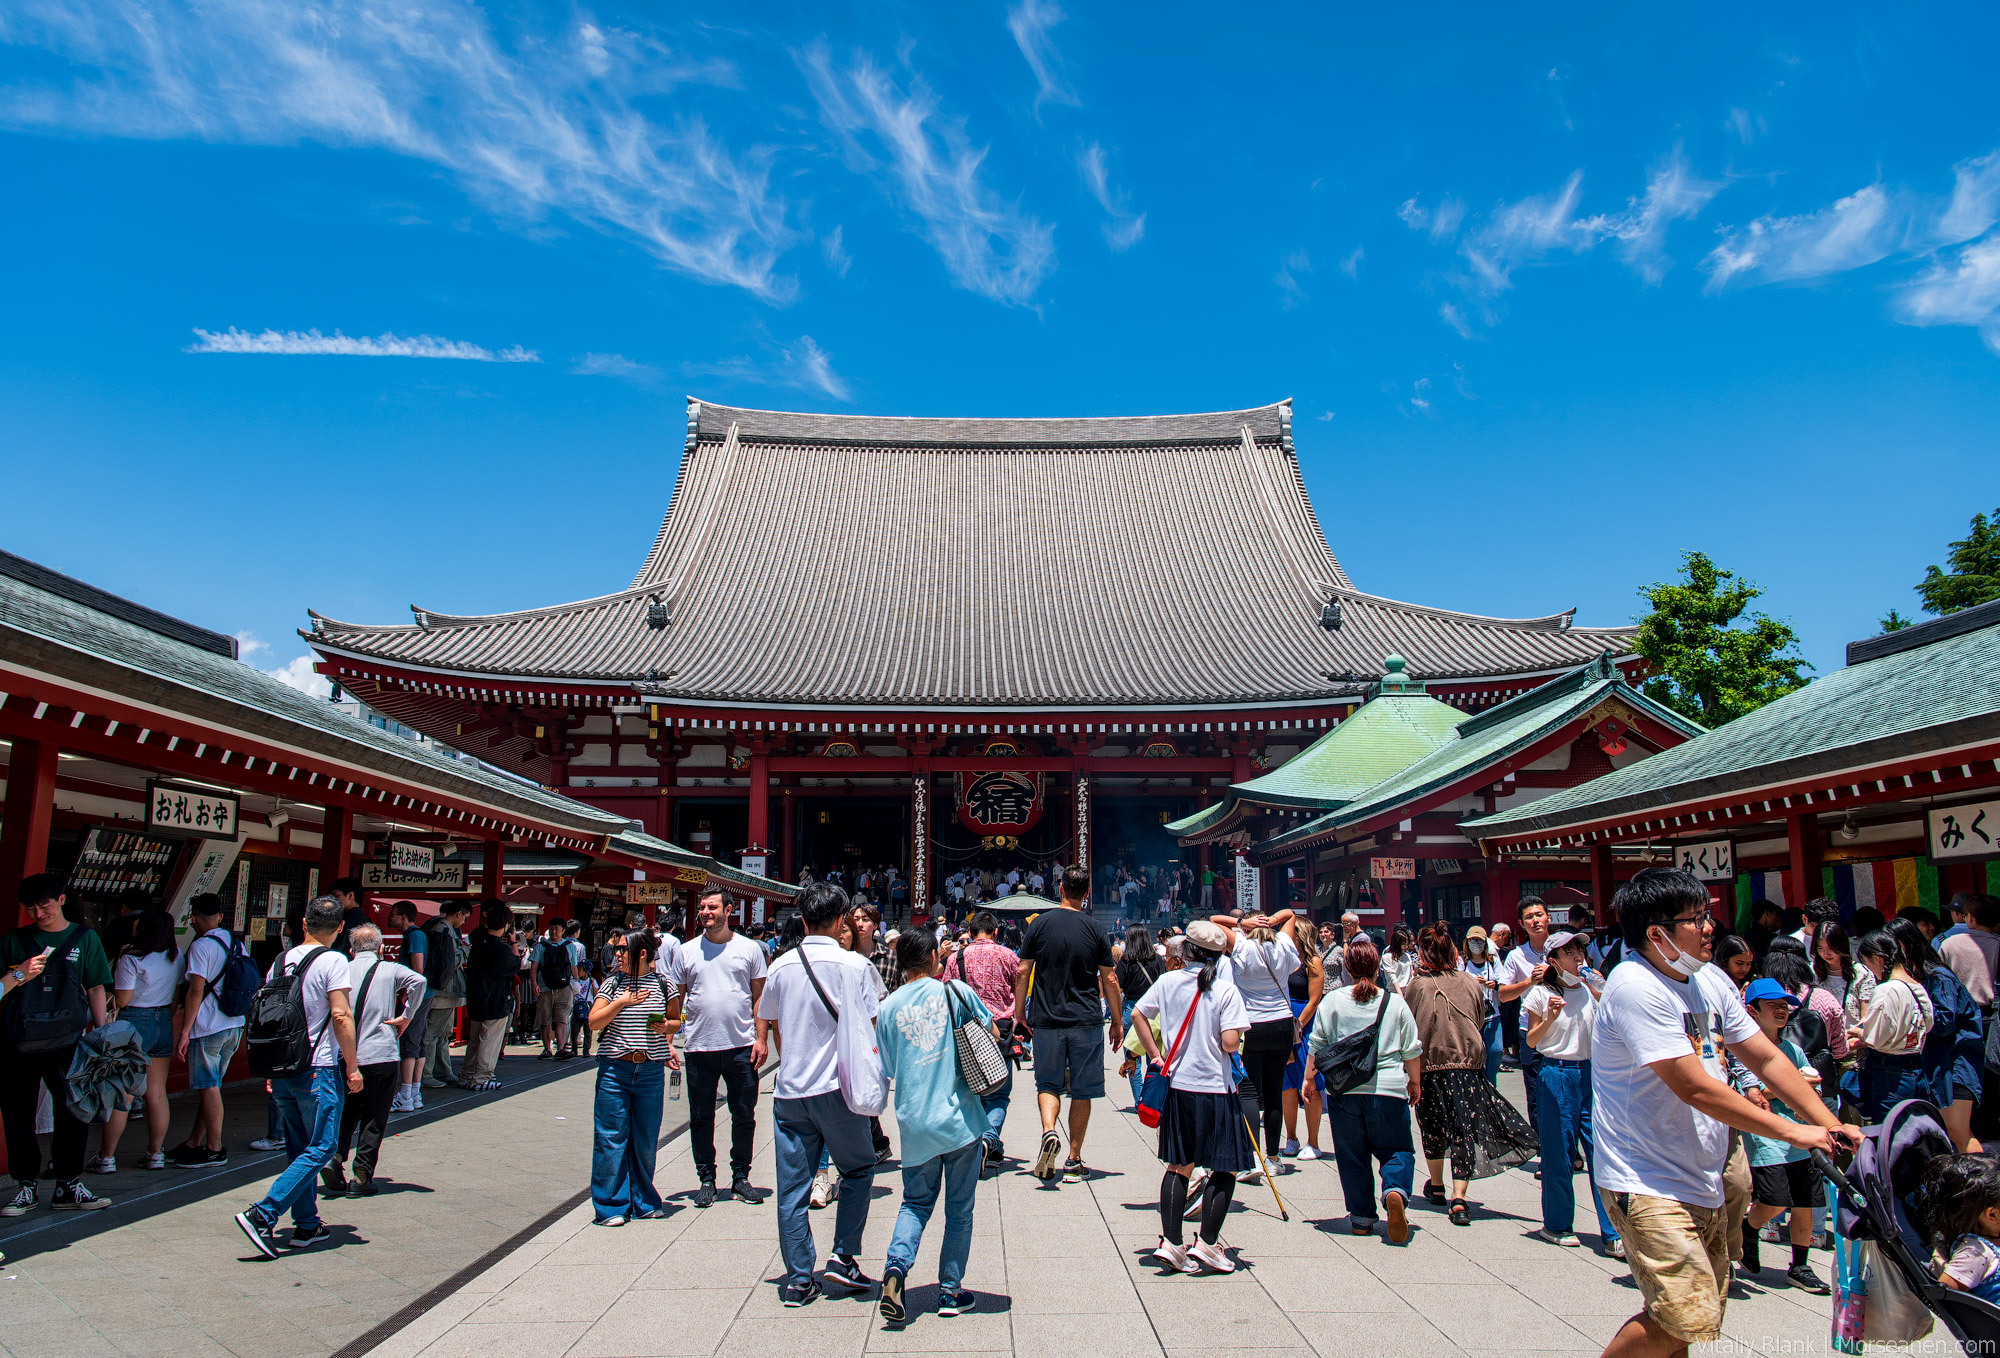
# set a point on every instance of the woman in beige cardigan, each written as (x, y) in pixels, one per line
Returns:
(1450, 1009)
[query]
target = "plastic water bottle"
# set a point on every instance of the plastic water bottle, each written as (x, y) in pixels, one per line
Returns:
(673, 1084)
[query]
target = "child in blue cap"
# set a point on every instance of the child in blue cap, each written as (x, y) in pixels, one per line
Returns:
(1782, 1177)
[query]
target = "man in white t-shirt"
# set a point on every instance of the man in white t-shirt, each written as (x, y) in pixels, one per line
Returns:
(1662, 1108)
(1521, 968)
(386, 998)
(309, 1103)
(723, 979)
(795, 1017)
(207, 1038)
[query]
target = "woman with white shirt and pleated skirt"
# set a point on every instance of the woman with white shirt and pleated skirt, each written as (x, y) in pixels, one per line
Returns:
(144, 981)
(1201, 1122)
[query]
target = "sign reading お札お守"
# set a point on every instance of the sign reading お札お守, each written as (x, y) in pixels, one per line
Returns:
(191, 810)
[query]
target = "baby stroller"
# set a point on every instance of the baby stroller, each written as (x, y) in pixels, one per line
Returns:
(1871, 1204)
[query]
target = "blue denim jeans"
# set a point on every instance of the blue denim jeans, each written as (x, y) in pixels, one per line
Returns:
(957, 1172)
(626, 1137)
(1138, 1075)
(308, 1108)
(1565, 1121)
(1494, 1048)
(995, 1106)
(802, 1129)
(1365, 1127)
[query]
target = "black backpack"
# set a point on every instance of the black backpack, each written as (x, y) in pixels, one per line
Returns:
(276, 1033)
(1808, 1029)
(1351, 1061)
(53, 1010)
(237, 984)
(557, 967)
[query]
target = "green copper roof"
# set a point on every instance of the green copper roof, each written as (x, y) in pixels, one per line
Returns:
(1937, 697)
(1384, 734)
(1484, 741)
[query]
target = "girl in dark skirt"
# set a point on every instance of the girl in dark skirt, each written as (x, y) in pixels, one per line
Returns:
(1202, 1021)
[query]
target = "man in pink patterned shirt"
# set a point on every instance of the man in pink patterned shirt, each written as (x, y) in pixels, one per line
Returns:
(989, 968)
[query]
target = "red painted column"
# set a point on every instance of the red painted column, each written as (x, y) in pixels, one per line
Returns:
(1239, 768)
(492, 869)
(788, 837)
(31, 806)
(760, 801)
(1602, 886)
(1802, 830)
(336, 846)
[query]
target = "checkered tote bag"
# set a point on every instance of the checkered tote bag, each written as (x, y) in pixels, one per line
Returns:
(980, 1060)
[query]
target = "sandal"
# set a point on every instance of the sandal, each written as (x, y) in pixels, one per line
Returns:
(1434, 1194)
(1461, 1212)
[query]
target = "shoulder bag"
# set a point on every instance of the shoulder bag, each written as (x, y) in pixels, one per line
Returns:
(1351, 1061)
(980, 1062)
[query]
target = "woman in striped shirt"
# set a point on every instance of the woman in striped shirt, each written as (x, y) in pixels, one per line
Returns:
(636, 1013)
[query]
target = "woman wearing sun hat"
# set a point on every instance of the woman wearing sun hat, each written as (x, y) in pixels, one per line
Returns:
(1202, 1020)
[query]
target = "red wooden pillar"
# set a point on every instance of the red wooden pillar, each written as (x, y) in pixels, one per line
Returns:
(1802, 830)
(336, 846)
(1239, 766)
(491, 879)
(1392, 902)
(24, 834)
(760, 802)
(1601, 884)
(788, 836)
(565, 907)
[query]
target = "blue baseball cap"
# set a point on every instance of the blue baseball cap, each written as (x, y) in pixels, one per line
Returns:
(1764, 988)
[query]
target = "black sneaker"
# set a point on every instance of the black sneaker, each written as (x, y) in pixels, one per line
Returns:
(800, 1294)
(197, 1157)
(892, 1297)
(333, 1179)
(844, 1270)
(704, 1193)
(883, 1150)
(956, 1302)
(74, 1197)
(259, 1231)
(362, 1186)
(303, 1236)
(741, 1189)
(1074, 1172)
(546, 1055)
(1802, 1277)
(22, 1203)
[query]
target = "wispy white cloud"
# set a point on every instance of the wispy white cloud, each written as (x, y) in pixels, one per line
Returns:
(1325, 416)
(1030, 22)
(614, 365)
(1746, 125)
(385, 345)
(1975, 200)
(799, 366)
(989, 246)
(1289, 269)
(835, 253)
(1453, 317)
(1848, 234)
(1125, 228)
(1525, 232)
(1963, 291)
(298, 673)
(1440, 223)
(1350, 263)
(1673, 193)
(1420, 395)
(565, 122)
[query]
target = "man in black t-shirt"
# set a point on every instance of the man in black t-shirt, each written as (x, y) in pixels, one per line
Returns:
(1065, 990)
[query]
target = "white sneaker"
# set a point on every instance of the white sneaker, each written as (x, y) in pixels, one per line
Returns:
(1290, 1148)
(1173, 1258)
(417, 1099)
(1308, 1153)
(401, 1103)
(268, 1143)
(156, 1160)
(1211, 1256)
(826, 1187)
(102, 1164)
(1248, 1176)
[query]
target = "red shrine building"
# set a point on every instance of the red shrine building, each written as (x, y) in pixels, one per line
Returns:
(930, 642)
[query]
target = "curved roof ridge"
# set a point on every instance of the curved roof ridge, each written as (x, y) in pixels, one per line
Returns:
(1270, 424)
(434, 620)
(1553, 622)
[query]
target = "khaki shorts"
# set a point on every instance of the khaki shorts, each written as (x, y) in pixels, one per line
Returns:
(552, 1007)
(1679, 1257)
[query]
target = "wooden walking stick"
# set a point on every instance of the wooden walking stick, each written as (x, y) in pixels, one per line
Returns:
(1264, 1165)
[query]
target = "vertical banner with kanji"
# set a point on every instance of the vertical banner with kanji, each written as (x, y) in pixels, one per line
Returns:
(1083, 822)
(920, 840)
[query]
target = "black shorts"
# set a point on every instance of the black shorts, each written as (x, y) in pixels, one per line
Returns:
(1792, 1184)
(1070, 1061)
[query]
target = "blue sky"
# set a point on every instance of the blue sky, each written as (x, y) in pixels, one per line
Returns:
(1558, 295)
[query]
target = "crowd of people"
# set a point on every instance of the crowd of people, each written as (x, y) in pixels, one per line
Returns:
(1686, 1074)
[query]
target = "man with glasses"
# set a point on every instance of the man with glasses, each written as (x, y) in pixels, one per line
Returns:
(1663, 1108)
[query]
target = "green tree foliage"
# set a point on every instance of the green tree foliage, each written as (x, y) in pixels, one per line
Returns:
(1706, 668)
(1974, 577)
(1892, 621)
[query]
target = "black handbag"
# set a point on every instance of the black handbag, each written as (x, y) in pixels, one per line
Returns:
(1351, 1061)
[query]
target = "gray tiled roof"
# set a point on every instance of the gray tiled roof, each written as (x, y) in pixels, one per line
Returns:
(1934, 698)
(848, 560)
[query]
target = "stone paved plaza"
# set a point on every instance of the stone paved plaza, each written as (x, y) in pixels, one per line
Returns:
(1062, 1270)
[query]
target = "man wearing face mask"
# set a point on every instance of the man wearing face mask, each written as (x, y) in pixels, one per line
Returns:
(1662, 1109)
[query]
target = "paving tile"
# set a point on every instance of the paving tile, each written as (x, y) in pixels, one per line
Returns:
(660, 1324)
(1100, 1336)
(536, 1340)
(926, 1331)
(805, 1331)
(1401, 1334)
(571, 1292)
